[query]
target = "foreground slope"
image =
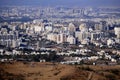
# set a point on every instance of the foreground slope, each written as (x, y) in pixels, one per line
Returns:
(51, 71)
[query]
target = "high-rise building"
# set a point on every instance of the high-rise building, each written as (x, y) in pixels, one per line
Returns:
(52, 37)
(14, 43)
(96, 35)
(110, 42)
(117, 31)
(61, 38)
(83, 27)
(98, 26)
(71, 40)
(71, 27)
(82, 35)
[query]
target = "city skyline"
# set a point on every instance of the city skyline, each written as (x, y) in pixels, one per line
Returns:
(80, 3)
(59, 40)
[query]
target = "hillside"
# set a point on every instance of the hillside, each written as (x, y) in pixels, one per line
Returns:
(51, 71)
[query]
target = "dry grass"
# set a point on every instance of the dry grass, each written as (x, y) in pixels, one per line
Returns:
(50, 71)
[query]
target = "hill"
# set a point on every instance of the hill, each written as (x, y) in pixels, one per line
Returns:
(54, 71)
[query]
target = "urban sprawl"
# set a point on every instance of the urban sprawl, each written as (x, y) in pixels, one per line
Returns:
(60, 34)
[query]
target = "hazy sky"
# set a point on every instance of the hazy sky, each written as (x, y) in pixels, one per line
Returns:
(84, 3)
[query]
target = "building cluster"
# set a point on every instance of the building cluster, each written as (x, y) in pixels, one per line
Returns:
(67, 31)
(21, 34)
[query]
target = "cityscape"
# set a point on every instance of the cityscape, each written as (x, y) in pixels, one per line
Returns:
(61, 35)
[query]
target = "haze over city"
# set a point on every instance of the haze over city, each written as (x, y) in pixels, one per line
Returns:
(81, 3)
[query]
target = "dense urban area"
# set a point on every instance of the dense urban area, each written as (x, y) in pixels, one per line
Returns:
(60, 34)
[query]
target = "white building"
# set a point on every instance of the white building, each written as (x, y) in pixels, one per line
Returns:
(48, 28)
(82, 35)
(14, 43)
(83, 27)
(71, 40)
(71, 27)
(110, 42)
(38, 28)
(117, 31)
(52, 37)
